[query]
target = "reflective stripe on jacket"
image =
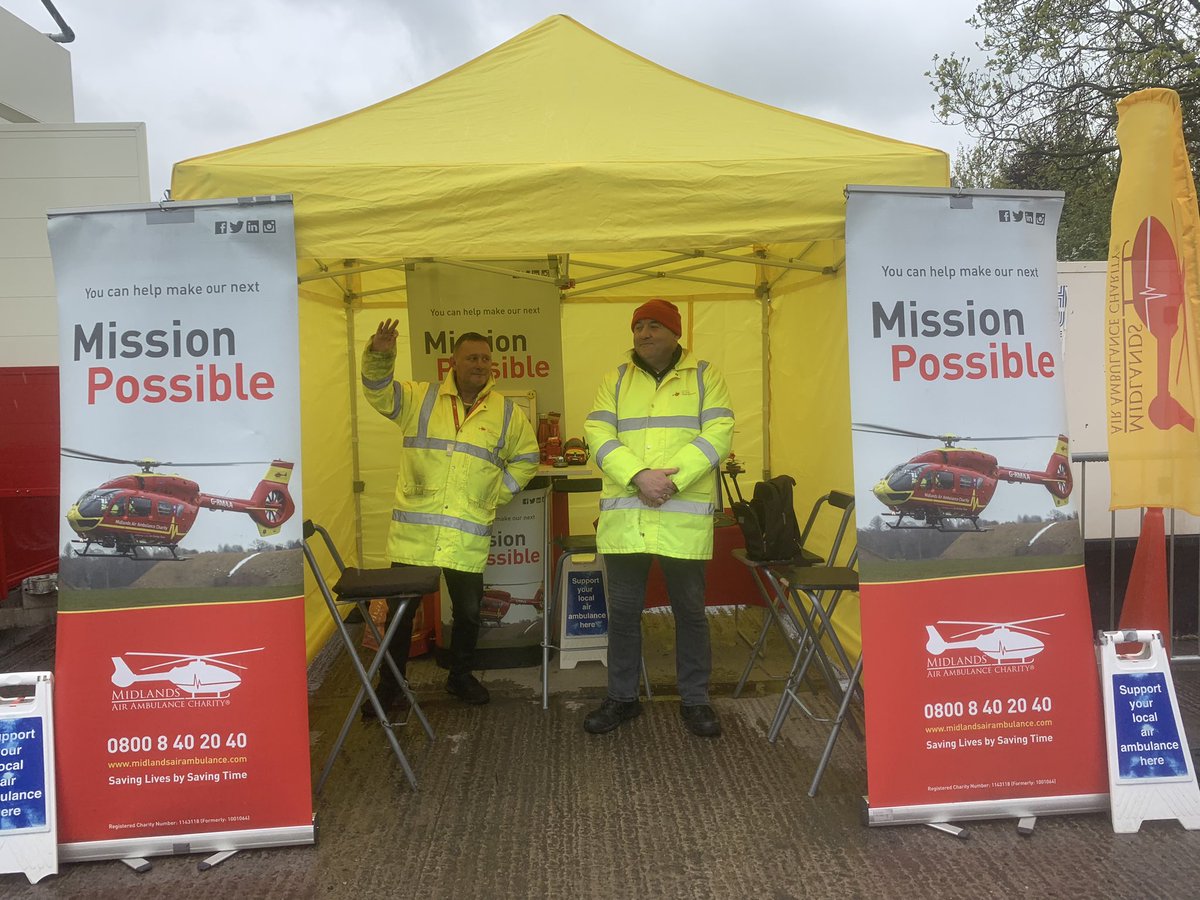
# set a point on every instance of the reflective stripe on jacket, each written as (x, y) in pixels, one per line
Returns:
(686, 423)
(452, 476)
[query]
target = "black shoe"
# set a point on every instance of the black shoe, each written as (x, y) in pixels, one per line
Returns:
(467, 688)
(701, 720)
(611, 713)
(393, 701)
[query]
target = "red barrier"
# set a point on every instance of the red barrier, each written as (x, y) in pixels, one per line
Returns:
(29, 502)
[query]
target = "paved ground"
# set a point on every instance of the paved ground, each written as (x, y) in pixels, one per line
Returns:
(520, 802)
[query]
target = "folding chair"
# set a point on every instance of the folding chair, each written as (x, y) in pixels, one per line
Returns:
(403, 586)
(772, 598)
(570, 545)
(815, 619)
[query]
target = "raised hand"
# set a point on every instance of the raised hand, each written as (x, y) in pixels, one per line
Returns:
(384, 338)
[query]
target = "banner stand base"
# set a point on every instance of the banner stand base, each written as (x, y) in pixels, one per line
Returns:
(140, 864)
(1018, 808)
(133, 851)
(953, 830)
(215, 860)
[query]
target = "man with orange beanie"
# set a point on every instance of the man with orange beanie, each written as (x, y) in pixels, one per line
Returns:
(660, 425)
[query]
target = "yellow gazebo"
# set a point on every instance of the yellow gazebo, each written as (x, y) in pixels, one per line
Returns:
(633, 182)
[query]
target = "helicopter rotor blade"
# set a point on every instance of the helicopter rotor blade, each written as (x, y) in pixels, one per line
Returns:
(968, 622)
(194, 655)
(232, 653)
(95, 457)
(244, 462)
(901, 432)
(999, 624)
(154, 463)
(1019, 624)
(1036, 619)
(180, 660)
(884, 429)
(1013, 437)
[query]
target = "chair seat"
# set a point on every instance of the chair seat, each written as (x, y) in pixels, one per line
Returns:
(821, 578)
(362, 584)
(804, 559)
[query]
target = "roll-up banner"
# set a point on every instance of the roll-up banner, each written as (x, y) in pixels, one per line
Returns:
(181, 705)
(981, 691)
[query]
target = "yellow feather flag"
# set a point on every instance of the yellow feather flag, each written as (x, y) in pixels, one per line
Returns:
(1151, 355)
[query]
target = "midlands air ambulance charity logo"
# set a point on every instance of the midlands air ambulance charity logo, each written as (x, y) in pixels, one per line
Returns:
(183, 681)
(987, 647)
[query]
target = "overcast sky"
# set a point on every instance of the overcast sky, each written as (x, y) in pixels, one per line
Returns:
(205, 75)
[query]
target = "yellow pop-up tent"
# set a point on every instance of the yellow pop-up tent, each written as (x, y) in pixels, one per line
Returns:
(633, 182)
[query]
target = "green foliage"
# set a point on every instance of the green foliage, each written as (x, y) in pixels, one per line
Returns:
(1042, 104)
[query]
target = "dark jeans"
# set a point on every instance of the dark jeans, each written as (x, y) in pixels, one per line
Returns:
(627, 573)
(466, 597)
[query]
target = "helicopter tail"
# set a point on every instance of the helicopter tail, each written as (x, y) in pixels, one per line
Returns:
(936, 643)
(122, 675)
(1058, 472)
(271, 504)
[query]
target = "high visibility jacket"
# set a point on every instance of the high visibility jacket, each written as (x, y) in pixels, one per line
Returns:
(684, 422)
(457, 467)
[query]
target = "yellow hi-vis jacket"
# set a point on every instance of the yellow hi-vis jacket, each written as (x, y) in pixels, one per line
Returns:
(636, 424)
(457, 467)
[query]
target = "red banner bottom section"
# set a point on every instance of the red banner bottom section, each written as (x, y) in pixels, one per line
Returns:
(182, 719)
(986, 690)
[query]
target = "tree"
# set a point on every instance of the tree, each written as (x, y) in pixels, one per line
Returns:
(1043, 104)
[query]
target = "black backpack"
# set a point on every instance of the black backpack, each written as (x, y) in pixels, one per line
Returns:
(768, 521)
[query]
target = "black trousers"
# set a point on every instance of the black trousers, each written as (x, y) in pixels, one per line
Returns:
(466, 598)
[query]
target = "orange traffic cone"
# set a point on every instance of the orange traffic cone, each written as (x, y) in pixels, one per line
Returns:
(1145, 605)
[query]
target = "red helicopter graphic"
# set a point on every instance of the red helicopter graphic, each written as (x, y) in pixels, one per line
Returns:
(150, 509)
(938, 488)
(1155, 291)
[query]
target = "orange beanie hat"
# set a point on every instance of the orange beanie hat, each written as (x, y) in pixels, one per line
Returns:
(662, 311)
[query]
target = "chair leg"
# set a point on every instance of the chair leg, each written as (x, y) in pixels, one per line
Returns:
(646, 680)
(413, 705)
(364, 676)
(405, 688)
(341, 738)
(837, 727)
(789, 695)
(547, 618)
(755, 653)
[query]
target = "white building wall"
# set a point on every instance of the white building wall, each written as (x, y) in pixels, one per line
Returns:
(45, 167)
(35, 74)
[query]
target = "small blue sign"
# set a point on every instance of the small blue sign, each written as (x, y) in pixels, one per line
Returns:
(587, 608)
(22, 775)
(1148, 744)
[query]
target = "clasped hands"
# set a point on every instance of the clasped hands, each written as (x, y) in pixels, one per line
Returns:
(654, 486)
